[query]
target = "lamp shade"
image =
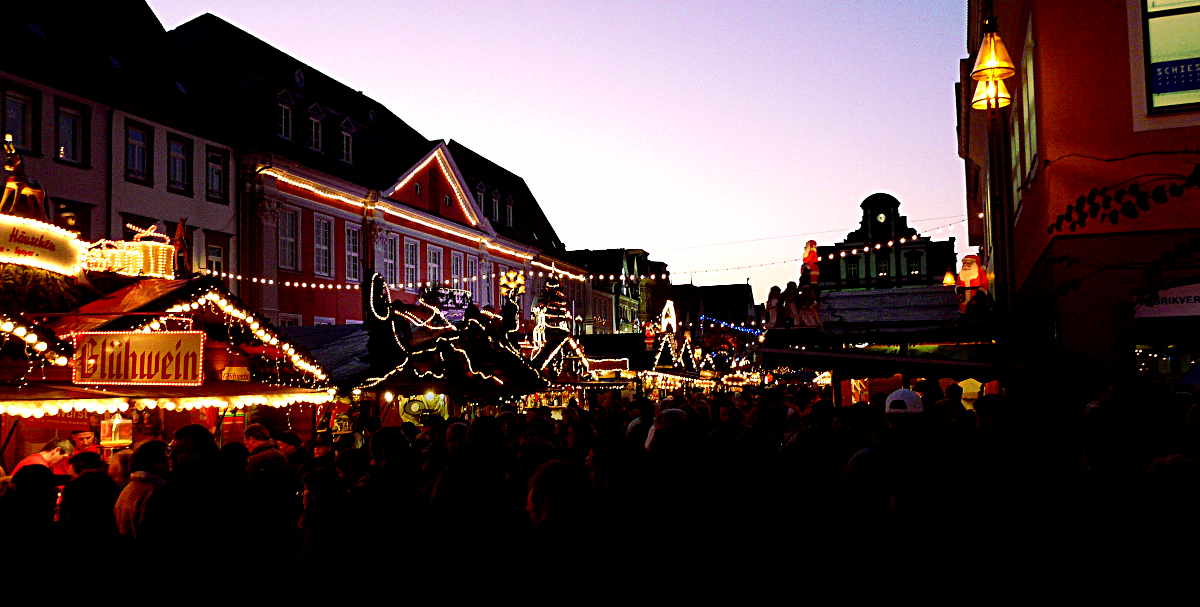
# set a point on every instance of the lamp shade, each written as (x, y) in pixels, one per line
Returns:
(991, 94)
(993, 62)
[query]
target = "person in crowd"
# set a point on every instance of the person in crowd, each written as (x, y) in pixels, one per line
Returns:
(148, 467)
(87, 501)
(51, 455)
(290, 446)
(118, 467)
(28, 508)
(272, 488)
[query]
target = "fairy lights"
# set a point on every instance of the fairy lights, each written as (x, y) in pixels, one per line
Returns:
(729, 325)
(42, 342)
(439, 156)
(40, 408)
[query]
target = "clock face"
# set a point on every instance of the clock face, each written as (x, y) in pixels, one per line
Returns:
(881, 218)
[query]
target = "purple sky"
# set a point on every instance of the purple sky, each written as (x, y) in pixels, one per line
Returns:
(664, 126)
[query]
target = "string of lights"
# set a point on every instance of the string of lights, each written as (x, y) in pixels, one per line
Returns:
(728, 325)
(866, 248)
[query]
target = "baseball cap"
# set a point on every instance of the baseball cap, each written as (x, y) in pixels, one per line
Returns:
(904, 401)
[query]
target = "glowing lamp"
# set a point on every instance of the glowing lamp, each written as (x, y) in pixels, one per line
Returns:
(949, 280)
(993, 63)
(116, 431)
(388, 396)
(991, 94)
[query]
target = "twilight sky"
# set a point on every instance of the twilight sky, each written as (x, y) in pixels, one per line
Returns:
(675, 127)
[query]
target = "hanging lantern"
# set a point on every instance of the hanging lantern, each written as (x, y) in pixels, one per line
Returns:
(991, 94)
(993, 62)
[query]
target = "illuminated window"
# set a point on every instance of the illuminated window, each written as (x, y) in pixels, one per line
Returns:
(1028, 102)
(456, 266)
(322, 246)
(214, 258)
(883, 265)
(217, 175)
(18, 119)
(485, 284)
(285, 122)
(139, 152)
(69, 144)
(914, 264)
(289, 236)
(353, 254)
(473, 276)
(433, 268)
(314, 141)
(389, 258)
(412, 251)
(179, 165)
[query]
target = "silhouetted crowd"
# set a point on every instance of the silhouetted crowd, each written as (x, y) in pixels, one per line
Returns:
(781, 466)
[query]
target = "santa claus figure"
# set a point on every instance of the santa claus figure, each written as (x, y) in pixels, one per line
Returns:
(810, 273)
(972, 274)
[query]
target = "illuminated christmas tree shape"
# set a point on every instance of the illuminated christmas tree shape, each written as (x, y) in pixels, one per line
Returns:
(667, 322)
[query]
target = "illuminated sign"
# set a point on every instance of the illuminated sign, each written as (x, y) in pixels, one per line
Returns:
(453, 303)
(165, 358)
(37, 244)
(1173, 53)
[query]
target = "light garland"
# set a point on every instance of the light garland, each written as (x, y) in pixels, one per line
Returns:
(729, 325)
(249, 320)
(55, 351)
(40, 408)
(443, 165)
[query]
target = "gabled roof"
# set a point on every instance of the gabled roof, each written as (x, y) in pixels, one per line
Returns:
(439, 157)
(240, 77)
(530, 225)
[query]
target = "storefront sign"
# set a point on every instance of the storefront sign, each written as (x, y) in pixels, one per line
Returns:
(167, 358)
(1173, 49)
(235, 374)
(1180, 301)
(37, 244)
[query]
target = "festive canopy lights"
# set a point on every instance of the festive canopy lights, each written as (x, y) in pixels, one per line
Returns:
(37, 341)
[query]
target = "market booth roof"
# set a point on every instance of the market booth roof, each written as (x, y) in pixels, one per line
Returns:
(39, 399)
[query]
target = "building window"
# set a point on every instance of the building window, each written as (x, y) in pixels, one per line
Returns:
(508, 212)
(290, 320)
(390, 244)
(883, 266)
(322, 246)
(496, 208)
(1028, 103)
(73, 216)
(480, 198)
(446, 200)
(18, 119)
(417, 188)
(412, 251)
(69, 142)
(1172, 54)
(217, 175)
(914, 264)
(433, 268)
(285, 122)
(347, 148)
(485, 284)
(456, 268)
(139, 153)
(473, 277)
(289, 239)
(851, 268)
(179, 165)
(314, 141)
(324, 320)
(1014, 132)
(353, 254)
(214, 258)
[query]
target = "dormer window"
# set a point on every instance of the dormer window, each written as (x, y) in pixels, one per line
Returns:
(496, 207)
(508, 214)
(315, 140)
(285, 121)
(347, 148)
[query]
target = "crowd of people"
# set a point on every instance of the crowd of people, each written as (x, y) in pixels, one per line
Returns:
(774, 464)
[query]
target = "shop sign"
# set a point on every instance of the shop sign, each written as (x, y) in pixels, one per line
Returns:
(166, 358)
(37, 244)
(1180, 301)
(453, 303)
(235, 374)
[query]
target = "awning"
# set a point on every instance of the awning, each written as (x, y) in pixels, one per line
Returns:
(38, 399)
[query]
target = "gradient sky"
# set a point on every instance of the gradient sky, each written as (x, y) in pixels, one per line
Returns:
(666, 126)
